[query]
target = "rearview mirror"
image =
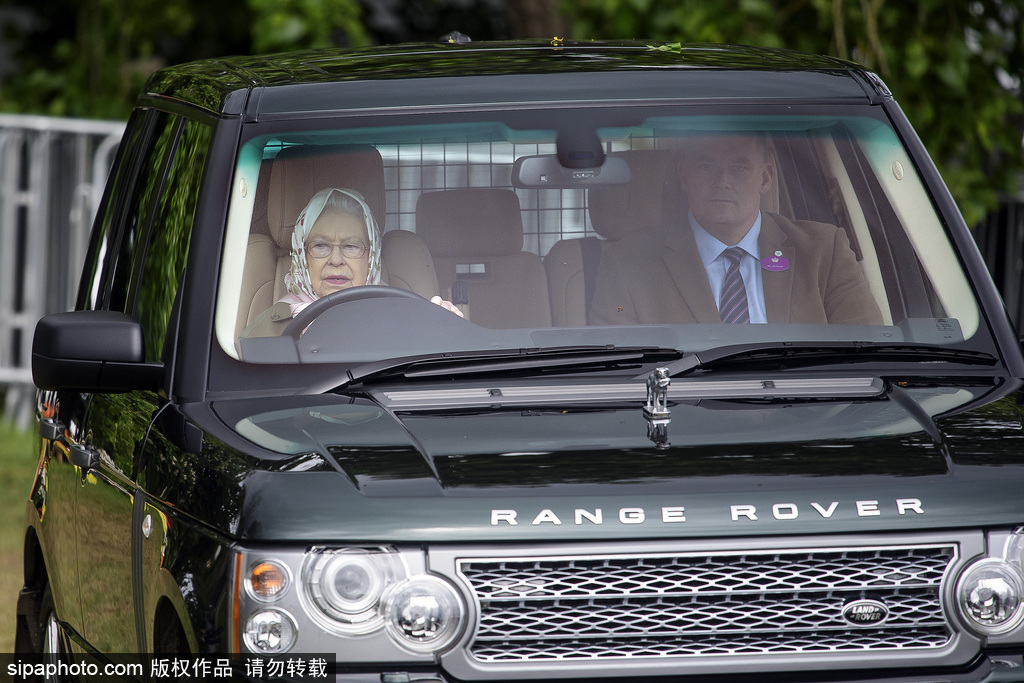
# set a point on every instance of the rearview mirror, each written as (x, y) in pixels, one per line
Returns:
(546, 171)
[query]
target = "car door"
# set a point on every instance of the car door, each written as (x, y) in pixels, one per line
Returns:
(155, 225)
(62, 414)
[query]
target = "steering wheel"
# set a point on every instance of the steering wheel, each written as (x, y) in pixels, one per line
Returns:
(313, 311)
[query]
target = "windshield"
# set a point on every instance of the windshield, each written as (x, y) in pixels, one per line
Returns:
(497, 231)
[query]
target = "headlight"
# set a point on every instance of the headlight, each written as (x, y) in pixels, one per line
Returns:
(990, 596)
(1014, 551)
(368, 604)
(423, 614)
(346, 586)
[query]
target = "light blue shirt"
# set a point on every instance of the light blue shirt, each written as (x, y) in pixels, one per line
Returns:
(711, 255)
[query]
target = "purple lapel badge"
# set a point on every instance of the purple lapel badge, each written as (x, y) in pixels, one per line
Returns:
(776, 262)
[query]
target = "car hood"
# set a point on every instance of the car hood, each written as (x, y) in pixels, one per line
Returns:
(335, 467)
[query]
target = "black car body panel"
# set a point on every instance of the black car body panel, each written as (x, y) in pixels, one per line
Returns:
(348, 459)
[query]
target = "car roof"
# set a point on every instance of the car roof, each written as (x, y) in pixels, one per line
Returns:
(326, 80)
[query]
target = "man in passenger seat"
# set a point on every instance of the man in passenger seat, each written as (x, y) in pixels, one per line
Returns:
(726, 260)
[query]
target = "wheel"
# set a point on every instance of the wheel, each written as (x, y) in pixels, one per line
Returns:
(51, 641)
(313, 311)
(168, 635)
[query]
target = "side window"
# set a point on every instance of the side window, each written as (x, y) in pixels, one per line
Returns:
(142, 232)
(165, 254)
(121, 224)
(105, 227)
(139, 211)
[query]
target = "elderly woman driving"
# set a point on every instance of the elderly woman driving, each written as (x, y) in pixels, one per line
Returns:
(335, 245)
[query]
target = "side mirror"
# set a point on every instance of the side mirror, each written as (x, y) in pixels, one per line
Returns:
(92, 351)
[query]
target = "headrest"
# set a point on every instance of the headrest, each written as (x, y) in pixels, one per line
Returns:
(618, 210)
(297, 173)
(470, 222)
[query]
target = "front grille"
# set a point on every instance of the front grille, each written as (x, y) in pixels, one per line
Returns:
(655, 606)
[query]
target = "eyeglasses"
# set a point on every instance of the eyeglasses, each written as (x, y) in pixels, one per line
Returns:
(322, 249)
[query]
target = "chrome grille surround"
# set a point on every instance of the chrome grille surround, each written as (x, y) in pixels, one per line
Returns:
(777, 608)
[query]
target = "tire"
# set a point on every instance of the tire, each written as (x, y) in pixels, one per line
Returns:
(52, 647)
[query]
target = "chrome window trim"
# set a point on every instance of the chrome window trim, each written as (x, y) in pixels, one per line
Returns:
(680, 390)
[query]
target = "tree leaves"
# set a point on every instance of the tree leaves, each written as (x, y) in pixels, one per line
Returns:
(955, 67)
(280, 25)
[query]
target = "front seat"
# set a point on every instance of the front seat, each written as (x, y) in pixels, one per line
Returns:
(287, 183)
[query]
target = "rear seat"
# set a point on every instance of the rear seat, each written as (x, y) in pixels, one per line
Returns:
(475, 237)
(615, 213)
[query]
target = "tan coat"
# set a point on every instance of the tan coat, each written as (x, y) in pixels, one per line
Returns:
(269, 323)
(657, 277)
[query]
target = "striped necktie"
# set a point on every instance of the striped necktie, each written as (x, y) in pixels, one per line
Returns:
(733, 307)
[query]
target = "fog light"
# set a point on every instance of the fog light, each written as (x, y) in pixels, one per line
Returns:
(423, 614)
(270, 632)
(990, 594)
(268, 580)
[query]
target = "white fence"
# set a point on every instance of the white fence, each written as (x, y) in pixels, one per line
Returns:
(52, 172)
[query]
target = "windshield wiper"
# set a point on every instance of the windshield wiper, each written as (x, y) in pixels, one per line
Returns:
(500, 361)
(789, 354)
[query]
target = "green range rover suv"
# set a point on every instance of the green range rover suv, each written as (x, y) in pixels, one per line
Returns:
(526, 362)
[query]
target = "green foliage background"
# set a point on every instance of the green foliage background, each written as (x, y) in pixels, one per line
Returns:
(954, 65)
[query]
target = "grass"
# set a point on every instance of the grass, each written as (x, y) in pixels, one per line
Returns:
(18, 459)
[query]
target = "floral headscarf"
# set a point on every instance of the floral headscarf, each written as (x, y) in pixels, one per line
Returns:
(299, 284)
